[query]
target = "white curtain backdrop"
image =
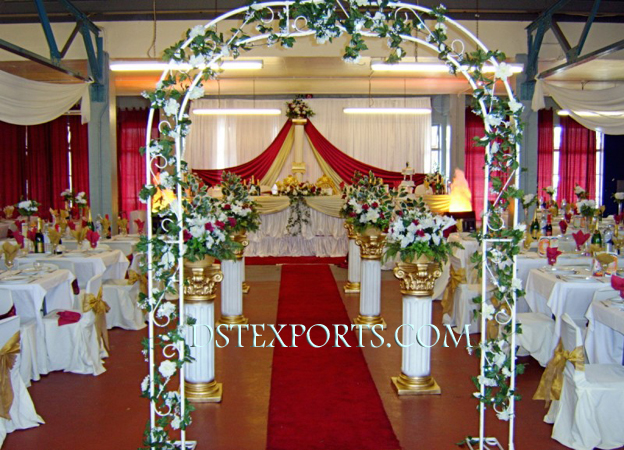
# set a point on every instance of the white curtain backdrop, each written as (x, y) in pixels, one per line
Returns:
(607, 104)
(27, 102)
(384, 141)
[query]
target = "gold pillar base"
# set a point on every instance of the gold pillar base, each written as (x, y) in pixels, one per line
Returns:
(246, 288)
(233, 320)
(351, 288)
(370, 320)
(405, 385)
(203, 392)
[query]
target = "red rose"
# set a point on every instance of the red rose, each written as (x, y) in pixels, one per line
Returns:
(420, 233)
(209, 227)
(365, 207)
(344, 196)
(220, 224)
(232, 221)
(400, 213)
(227, 207)
(352, 214)
(415, 222)
(375, 205)
(188, 236)
(381, 216)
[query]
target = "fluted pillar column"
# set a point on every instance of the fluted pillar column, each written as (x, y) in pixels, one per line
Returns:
(246, 287)
(371, 245)
(417, 283)
(353, 277)
(199, 294)
(232, 286)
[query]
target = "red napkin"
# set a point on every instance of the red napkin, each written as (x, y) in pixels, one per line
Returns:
(19, 238)
(552, 253)
(580, 238)
(67, 317)
(568, 217)
(31, 234)
(71, 225)
(617, 283)
(618, 218)
(564, 226)
(140, 224)
(18, 225)
(93, 237)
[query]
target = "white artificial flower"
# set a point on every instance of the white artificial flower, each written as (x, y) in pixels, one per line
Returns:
(168, 260)
(166, 309)
(619, 196)
(436, 239)
(521, 227)
(527, 199)
(578, 190)
(515, 106)
(197, 61)
(488, 311)
(360, 2)
(197, 30)
(442, 27)
(516, 283)
(171, 107)
(167, 368)
(492, 120)
(504, 415)
(407, 240)
(145, 384)
(499, 359)
(503, 71)
(23, 205)
(196, 92)
(506, 372)
(486, 381)
(175, 423)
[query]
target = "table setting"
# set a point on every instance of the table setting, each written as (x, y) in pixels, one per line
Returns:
(604, 342)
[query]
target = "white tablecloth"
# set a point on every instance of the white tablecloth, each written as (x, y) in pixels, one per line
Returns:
(111, 264)
(123, 243)
(325, 236)
(552, 296)
(604, 342)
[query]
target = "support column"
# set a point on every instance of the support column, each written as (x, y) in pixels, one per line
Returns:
(199, 376)
(457, 120)
(298, 166)
(103, 197)
(417, 283)
(232, 285)
(371, 247)
(246, 287)
(353, 278)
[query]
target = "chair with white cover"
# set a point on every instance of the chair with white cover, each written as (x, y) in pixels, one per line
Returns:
(134, 215)
(75, 347)
(17, 411)
(537, 337)
(591, 405)
(122, 298)
(603, 344)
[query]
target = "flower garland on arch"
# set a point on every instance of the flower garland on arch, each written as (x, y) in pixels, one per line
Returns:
(279, 24)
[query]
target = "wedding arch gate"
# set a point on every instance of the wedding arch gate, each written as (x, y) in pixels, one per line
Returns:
(196, 59)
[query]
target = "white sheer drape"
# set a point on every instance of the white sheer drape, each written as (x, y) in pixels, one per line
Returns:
(28, 102)
(605, 106)
(384, 141)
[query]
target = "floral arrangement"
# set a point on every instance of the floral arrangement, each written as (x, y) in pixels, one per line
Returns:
(436, 182)
(580, 192)
(415, 232)
(81, 200)
(68, 195)
(502, 116)
(618, 197)
(528, 200)
(239, 210)
(28, 207)
(587, 208)
(296, 191)
(298, 109)
(368, 204)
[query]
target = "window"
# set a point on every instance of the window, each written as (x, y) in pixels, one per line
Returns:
(436, 149)
(599, 162)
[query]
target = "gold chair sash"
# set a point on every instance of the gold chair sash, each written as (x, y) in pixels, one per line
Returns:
(455, 279)
(134, 277)
(8, 356)
(99, 308)
(552, 379)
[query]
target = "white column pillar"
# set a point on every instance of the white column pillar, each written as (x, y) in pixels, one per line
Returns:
(246, 287)
(415, 378)
(199, 376)
(370, 280)
(298, 166)
(232, 293)
(353, 283)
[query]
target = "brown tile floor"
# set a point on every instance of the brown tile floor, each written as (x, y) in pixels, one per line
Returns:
(106, 412)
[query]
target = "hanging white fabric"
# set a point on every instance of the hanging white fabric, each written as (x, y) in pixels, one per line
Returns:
(599, 110)
(28, 102)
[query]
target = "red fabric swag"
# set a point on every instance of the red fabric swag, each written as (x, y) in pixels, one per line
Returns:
(13, 182)
(577, 161)
(258, 167)
(545, 148)
(346, 166)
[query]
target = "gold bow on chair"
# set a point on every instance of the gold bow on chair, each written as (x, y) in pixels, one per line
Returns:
(552, 379)
(455, 279)
(8, 356)
(134, 277)
(99, 308)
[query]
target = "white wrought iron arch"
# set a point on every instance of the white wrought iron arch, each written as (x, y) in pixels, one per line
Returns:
(155, 160)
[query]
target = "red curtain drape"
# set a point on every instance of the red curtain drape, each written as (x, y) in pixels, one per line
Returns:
(59, 160)
(258, 166)
(131, 135)
(345, 166)
(577, 159)
(38, 164)
(475, 160)
(545, 147)
(79, 142)
(13, 181)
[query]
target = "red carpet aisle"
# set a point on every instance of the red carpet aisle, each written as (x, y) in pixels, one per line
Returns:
(321, 398)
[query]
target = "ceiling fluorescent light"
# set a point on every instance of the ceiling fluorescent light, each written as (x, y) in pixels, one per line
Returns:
(563, 112)
(413, 111)
(155, 66)
(237, 112)
(431, 67)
